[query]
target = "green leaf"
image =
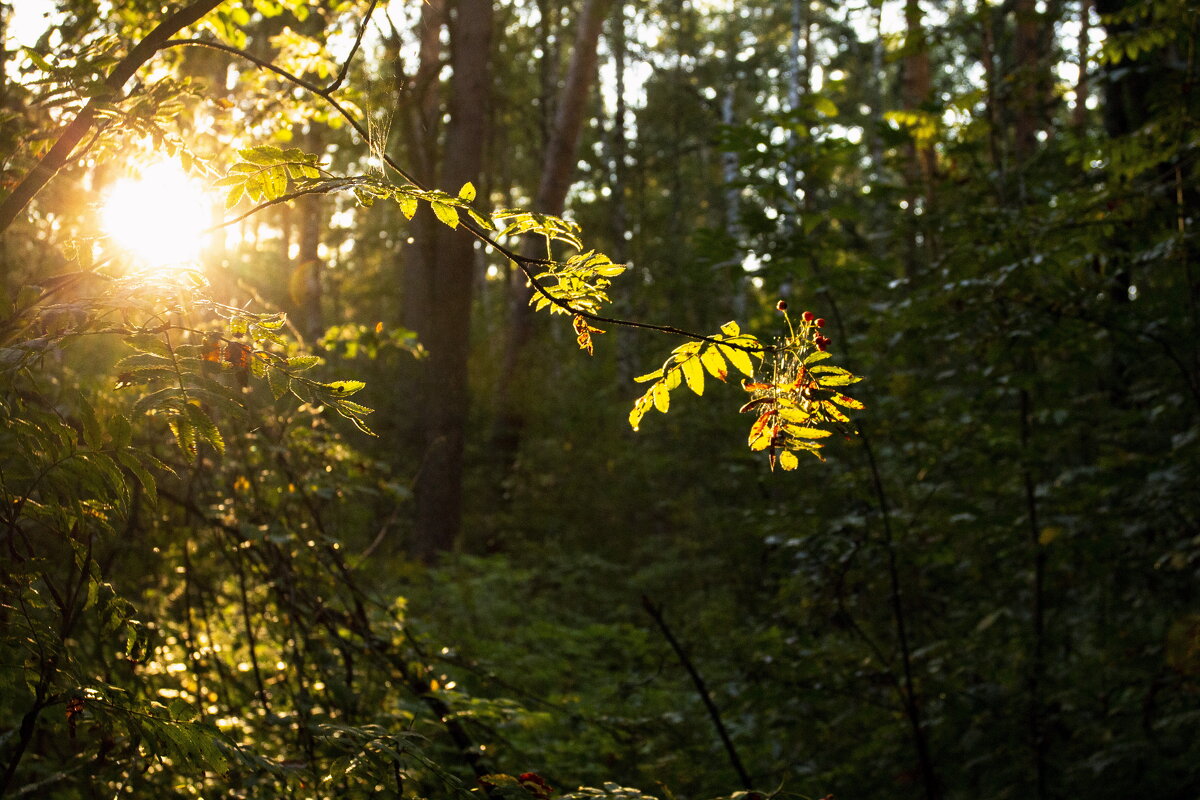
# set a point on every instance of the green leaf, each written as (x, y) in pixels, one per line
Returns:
(467, 192)
(279, 381)
(817, 355)
(149, 343)
(839, 380)
(447, 214)
(301, 363)
(345, 388)
(185, 435)
(263, 155)
(408, 205)
(204, 427)
(825, 107)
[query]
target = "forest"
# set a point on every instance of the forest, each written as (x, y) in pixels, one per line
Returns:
(600, 399)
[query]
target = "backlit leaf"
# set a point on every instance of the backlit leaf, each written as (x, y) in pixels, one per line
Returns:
(740, 359)
(714, 362)
(447, 214)
(693, 373)
(661, 397)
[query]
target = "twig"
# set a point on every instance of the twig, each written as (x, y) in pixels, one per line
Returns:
(524, 263)
(655, 613)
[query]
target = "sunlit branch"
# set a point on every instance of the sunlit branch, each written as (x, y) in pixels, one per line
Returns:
(63, 149)
(362, 29)
(324, 188)
(524, 263)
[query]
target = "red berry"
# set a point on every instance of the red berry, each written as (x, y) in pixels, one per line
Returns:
(809, 316)
(820, 323)
(781, 305)
(822, 345)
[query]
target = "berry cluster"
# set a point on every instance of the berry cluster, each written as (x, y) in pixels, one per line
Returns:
(810, 323)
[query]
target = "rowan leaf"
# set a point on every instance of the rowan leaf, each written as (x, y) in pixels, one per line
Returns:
(808, 433)
(661, 396)
(693, 373)
(739, 359)
(714, 362)
(847, 402)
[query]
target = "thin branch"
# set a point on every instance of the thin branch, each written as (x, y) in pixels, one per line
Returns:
(655, 613)
(524, 263)
(362, 28)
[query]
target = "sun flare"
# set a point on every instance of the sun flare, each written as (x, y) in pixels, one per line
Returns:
(158, 218)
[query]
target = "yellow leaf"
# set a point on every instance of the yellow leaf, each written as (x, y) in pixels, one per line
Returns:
(408, 205)
(740, 359)
(693, 373)
(788, 460)
(834, 412)
(808, 433)
(761, 432)
(839, 380)
(794, 415)
(714, 362)
(848, 402)
(661, 397)
(817, 355)
(639, 411)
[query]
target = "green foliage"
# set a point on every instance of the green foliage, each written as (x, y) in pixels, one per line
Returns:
(204, 588)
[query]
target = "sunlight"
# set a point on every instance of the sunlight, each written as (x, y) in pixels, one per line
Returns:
(158, 218)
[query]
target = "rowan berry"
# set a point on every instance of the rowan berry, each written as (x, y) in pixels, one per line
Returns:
(809, 316)
(820, 322)
(781, 305)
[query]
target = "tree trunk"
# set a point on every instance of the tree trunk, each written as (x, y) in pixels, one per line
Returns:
(446, 275)
(921, 160)
(558, 169)
(307, 270)
(1082, 87)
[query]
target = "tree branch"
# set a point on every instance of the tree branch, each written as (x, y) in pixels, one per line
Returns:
(524, 263)
(655, 613)
(60, 153)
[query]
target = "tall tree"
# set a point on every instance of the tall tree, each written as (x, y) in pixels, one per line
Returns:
(557, 171)
(440, 270)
